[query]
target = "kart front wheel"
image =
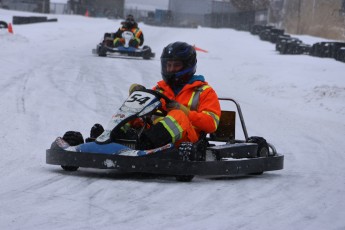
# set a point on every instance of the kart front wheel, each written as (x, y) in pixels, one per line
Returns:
(73, 138)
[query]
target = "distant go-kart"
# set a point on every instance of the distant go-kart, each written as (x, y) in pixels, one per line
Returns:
(216, 154)
(106, 48)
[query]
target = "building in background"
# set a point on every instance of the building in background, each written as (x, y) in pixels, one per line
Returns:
(315, 17)
(99, 8)
(38, 6)
(192, 13)
(189, 13)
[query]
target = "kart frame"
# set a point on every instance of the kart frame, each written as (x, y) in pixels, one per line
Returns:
(217, 154)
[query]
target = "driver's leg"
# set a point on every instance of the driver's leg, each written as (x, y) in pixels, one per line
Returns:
(134, 42)
(118, 42)
(173, 128)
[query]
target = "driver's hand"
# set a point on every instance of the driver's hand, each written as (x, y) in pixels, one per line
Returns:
(135, 87)
(175, 105)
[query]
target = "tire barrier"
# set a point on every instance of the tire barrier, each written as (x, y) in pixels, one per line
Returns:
(291, 45)
(340, 56)
(285, 44)
(256, 29)
(19, 20)
(327, 49)
(52, 20)
(271, 34)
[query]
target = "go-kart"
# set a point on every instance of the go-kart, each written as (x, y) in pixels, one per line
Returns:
(215, 154)
(106, 47)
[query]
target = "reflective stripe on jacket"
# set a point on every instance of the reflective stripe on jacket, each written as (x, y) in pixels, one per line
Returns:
(136, 32)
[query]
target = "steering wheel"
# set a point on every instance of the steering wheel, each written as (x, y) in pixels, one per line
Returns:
(159, 111)
(148, 118)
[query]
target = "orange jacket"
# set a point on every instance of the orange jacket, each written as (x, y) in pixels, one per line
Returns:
(205, 117)
(137, 33)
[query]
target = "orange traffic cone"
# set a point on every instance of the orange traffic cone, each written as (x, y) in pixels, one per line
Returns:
(10, 29)
(199, 49)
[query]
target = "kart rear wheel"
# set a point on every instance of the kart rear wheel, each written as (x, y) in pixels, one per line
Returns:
(147, 52)
(102, 52)
(263, 149)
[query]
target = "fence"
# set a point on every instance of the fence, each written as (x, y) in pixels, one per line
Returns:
(59, 8)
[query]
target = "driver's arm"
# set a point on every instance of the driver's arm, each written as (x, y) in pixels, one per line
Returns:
(206, 118)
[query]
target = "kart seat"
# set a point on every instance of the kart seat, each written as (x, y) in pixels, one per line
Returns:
(226, 127)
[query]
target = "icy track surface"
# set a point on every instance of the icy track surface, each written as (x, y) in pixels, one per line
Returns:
(51, 83)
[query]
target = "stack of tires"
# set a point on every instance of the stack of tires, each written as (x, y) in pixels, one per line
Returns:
(275, 34)
(340, 55)
(291, 45)
(19, 20)
(329, 50)
(267, 33)
(285, 44)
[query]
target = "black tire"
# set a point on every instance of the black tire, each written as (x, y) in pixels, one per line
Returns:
(3, 25)
(263, 149)
(147, 52)
(108, 35)
(101, 51)
(18, 20)
(72, 138)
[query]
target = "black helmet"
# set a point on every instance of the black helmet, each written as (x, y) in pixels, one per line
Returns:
(129, 22)
(178, 51)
